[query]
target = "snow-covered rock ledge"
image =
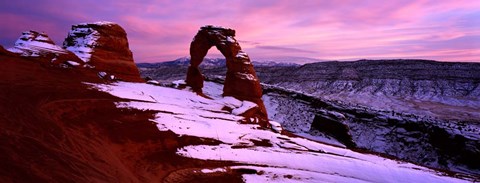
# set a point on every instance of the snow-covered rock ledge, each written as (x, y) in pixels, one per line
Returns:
(275, 157)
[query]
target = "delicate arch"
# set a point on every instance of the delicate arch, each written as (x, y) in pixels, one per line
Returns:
(241, 81)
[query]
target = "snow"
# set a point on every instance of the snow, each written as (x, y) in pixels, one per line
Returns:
(213, 90)
(15, 50)
(241, 54)
(213, 27)
(276, 126)
(231, 102)
(213, 170)
(320, 137)
(230, 39)
(154, 82)
(287, 159)
(245, 76)
(26, 45)
(83, 53)
(246, 105)
(98, 23)
(367, 169)
(84, 40)
(179, 82)
(73, 63)
(42, 38)
(285, 175)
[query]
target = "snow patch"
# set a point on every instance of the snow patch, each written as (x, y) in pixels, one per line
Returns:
(73, 63)
(241, 54)
(98, 23)
(230, 39)
(213, 170)
(84, 40)
(154, 82)
(246, 105)
(177, 83)
(276, 126)
(246, 76)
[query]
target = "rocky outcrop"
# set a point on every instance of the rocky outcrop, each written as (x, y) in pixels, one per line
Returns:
(38, 44)
(105, 46)
(331, 123)
(241, 80)
(102, 46)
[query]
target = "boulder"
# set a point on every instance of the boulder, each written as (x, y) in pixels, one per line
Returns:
(241, 80)
(105, 46)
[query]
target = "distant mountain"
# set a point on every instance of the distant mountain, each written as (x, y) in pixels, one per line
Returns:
(286, 60)
(185, 61)
(211, 62)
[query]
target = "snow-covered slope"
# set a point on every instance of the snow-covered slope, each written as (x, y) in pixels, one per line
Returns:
(268, 156)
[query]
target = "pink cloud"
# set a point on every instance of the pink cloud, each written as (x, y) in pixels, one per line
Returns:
(162, 30)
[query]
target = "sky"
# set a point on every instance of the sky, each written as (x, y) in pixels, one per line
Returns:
(283, 30)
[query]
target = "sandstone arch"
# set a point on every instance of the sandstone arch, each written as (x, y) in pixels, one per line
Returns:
(241, 80)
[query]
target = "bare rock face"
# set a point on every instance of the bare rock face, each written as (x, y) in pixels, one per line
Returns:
(105, 46)
(331, 123)
(241, 80)
(38, 44)
(3, 50)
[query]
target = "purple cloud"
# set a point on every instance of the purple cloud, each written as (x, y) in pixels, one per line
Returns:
(327, 30)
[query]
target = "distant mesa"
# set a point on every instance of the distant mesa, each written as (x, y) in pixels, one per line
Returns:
(101, 45)
(241, 80)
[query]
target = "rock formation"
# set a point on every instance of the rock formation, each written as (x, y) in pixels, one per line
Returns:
(102, 46)
(241, 80)
(105, 46)
(35, 44)
(331, 123)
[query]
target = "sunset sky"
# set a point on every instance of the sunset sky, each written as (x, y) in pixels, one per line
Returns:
(327, 30)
